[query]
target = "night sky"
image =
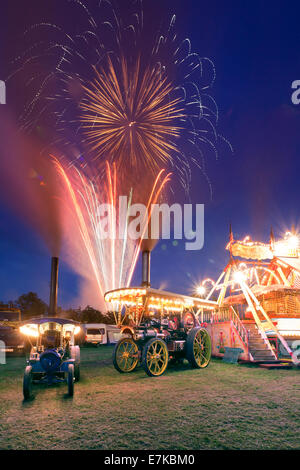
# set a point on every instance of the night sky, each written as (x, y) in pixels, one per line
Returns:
(255, 48)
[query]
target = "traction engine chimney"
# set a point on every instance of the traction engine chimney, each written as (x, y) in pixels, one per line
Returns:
(53, 287)
(146, 268)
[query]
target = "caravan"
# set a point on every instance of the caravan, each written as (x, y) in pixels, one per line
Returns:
(101, 333)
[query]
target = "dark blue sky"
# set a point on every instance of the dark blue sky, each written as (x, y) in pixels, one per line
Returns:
(255, 48)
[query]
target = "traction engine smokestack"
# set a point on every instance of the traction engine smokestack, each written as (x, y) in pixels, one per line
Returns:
(146, 269)
(53, 287)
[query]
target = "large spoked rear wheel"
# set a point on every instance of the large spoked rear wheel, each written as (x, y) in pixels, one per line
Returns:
(155, 357)
(198, 348)
(126, 355)
(27, 383)
(71, 380)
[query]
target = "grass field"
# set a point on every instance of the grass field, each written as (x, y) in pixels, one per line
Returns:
(221, 407)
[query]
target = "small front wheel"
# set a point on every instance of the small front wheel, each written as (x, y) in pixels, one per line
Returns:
(155, 357)
(126, 355)
(71, 380)
(77, 372)
(27, 383)
(198, 348)
(75, 354)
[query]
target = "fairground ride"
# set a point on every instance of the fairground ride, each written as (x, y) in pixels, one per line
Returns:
(258, 301)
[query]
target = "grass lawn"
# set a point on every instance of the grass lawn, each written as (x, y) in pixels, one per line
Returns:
(221, 407)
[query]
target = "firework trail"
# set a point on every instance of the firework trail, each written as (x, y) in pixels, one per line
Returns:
(113, 259)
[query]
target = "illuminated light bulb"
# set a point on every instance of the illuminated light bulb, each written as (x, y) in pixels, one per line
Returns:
(201, 290)
(239, 276)
(293, 241)
(30, 330)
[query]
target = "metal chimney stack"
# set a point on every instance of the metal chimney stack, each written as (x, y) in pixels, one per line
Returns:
(53, 287)
(146, 268)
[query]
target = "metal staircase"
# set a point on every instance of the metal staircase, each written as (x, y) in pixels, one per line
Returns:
(254, 334)
(259, 347)
(260, 327)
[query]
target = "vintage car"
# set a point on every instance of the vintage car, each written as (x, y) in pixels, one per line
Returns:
(11, 341)
(54, 357)
(100, 333)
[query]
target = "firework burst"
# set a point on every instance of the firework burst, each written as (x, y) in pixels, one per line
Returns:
(129, 116)
(110, 92)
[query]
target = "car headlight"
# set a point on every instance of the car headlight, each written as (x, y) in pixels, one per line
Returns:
(30, 330)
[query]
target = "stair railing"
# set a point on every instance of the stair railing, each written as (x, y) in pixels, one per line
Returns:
(241, 329)
(228, 315)
(256, 306)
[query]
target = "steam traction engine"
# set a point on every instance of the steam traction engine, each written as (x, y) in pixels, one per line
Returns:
(158, 326)
(54, 357)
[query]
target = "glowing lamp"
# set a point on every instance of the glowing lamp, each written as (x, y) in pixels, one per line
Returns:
(239, 276)
(201, 290)
(293, 241)
(77, 330)
(30, 330)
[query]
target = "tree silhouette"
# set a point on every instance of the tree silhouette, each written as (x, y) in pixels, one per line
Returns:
(31, 305)
(91, 315)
